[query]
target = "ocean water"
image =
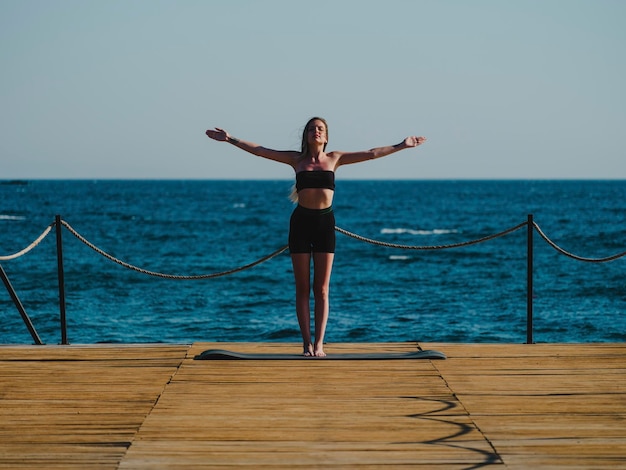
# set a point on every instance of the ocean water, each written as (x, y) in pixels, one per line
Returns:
(475, 293)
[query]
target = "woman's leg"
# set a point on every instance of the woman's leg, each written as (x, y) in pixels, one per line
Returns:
(302, 273)
(323, 265)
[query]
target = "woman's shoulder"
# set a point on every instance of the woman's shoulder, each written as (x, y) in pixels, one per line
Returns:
(336, 156)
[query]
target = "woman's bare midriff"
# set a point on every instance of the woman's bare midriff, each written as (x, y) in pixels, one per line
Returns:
(315, 198)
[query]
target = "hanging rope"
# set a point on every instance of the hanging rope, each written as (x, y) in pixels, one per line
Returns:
(435, 247)
(29, 247)
(169, 276)
(284, 248)
(579, 258)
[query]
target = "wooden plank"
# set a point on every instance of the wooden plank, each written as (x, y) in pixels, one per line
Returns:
(153, 406)
(290, 414)
(545, 406)
(77, 406)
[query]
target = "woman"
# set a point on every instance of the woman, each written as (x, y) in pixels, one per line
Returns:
(312, 224)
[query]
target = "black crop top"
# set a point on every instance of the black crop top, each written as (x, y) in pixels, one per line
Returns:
(315, 179)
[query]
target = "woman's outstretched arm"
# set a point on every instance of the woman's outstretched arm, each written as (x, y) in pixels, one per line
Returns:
(346, 158)
(283, 156)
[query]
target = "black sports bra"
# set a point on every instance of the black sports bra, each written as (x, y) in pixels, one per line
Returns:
(324, 179)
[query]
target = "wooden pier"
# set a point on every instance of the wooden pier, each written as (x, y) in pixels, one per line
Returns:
(512, 406)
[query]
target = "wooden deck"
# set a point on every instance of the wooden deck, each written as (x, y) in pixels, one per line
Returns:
(155, 407)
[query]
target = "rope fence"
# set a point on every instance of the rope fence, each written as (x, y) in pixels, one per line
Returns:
(570, 255)
(58, 223)
(103, 253)
(37, 241)
(170, 276)
(433, 247)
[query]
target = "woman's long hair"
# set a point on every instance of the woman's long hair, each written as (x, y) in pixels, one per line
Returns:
(304, 150)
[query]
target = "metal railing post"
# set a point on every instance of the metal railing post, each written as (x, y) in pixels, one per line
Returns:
(19, 306)
(529, 280)
(61, 279)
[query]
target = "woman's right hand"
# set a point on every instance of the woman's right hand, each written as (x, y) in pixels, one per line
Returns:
(218, 134)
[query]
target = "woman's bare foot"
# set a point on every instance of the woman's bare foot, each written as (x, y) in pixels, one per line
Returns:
(308, 350)
(319, 351)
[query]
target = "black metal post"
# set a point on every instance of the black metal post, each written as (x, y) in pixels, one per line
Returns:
(19, 306)
(61, 279)
(529, 280)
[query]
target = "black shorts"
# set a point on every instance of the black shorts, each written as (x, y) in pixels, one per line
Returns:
(312, 230)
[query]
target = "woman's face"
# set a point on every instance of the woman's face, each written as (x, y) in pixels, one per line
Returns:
(317, 132)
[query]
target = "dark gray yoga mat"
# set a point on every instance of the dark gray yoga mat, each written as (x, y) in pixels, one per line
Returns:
(222, 354)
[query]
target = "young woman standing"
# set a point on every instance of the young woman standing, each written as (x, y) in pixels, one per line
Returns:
(312, 224)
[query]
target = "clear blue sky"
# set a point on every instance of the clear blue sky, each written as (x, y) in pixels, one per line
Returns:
(126, 88)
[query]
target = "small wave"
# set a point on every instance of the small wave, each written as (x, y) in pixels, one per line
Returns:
(11, 217)
(410, 231)
(283, 334)
(360, 334)
(399, 257)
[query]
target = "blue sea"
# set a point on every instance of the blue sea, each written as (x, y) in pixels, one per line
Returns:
(474, 293)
